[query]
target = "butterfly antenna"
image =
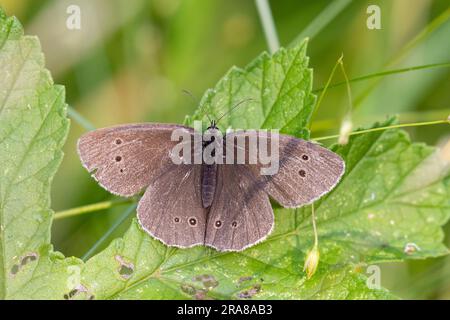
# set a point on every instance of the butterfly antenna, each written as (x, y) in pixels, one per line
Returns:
(187, 92)
(234, 107)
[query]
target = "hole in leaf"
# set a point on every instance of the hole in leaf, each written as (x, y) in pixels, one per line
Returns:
(15, 269)
(28, 258)
(72, 293)
(126, 269)
(78, 292)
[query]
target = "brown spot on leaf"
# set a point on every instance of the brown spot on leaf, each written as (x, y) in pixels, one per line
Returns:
(244, 279)
(30, 257)
(248, 294)
(208, 281)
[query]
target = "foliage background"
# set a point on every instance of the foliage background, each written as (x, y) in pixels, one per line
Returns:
(132, 59)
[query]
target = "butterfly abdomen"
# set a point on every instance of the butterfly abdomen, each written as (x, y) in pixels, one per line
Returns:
(209, 178)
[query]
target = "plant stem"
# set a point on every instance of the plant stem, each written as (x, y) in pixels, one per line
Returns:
(384, 73)
(265, 15)
(349, 90)
(82, 121)
(322, 20)
(430, 115)
(417, 124)
(105, 236)
(322, 94)
(313, 217)
(90, 208)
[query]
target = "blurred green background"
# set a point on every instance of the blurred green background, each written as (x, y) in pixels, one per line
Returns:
(131, 60)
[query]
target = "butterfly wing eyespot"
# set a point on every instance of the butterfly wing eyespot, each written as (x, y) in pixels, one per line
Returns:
(192, 222)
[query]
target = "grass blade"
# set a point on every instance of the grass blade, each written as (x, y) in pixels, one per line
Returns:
(322, 20)
(106, 235)
(270, 31)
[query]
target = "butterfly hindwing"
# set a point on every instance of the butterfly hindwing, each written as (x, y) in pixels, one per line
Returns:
(241, 214)
(171, 208)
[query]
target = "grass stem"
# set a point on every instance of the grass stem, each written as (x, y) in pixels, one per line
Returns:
(106, 235)
(325, 17)
(395, 126)
(265, 15)
(90, 208)
(78, 118)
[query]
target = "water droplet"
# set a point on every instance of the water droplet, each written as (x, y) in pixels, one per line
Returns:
(38, 217)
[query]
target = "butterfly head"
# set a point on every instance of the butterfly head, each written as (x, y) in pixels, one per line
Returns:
(213, 125)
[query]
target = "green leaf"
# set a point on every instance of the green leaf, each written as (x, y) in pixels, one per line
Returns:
(33, 128)
(280, 89)
(271, 270)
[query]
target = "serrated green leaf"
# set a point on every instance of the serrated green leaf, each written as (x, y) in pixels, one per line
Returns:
(280, 89)
(33, 128)
(160, 272)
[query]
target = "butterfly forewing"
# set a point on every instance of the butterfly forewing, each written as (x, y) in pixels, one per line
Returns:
(124, 159)
(306, 171)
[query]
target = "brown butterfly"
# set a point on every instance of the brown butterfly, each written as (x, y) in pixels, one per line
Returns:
(224, 206)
